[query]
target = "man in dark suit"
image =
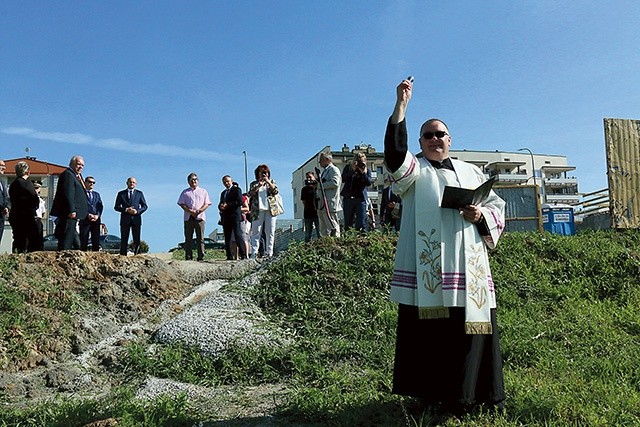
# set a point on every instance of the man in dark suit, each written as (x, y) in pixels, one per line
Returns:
(131, 205)
(70, 204)
(90, 226)
(390, 207)
(5, 204)
(231, 210)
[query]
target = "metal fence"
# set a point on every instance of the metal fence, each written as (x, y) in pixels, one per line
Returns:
(522, 210)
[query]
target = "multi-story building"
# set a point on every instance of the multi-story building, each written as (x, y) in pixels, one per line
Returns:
(548, 172)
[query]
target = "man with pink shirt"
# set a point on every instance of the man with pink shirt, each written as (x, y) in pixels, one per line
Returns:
(194, 201)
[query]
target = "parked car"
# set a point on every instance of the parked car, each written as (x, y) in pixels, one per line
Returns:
(50, 242)
(208, 244)
(108, 243)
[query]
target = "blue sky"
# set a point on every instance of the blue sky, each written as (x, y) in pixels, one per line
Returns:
(160, 89)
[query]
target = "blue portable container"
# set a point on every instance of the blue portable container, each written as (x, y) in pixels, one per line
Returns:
(558, 219)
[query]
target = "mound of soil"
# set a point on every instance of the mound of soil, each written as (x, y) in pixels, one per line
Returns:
(89, 306)
(79, 297)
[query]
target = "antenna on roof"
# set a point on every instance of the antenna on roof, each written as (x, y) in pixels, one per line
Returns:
(26, 150)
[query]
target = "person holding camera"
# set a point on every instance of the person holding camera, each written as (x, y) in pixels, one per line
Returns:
(310, 203)
(261, 217)
(356, 177)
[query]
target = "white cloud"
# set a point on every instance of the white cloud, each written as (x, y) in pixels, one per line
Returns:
(121, 144)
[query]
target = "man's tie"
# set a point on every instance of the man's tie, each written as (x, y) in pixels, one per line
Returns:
(81, 181)
(130, 194)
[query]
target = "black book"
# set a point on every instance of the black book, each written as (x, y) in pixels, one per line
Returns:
(456, 197)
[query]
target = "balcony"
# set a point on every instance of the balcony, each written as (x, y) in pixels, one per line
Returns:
(567, 199)
(511, 178)
(561, 182)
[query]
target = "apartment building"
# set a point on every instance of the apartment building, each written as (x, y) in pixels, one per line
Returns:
(549, 172)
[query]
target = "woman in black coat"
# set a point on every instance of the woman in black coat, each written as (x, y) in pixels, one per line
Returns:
(22, 217)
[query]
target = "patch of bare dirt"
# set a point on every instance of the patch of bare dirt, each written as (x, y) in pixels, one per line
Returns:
(91, 306)
(78, 298)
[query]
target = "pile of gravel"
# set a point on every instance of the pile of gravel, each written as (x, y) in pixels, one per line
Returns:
(218, 320)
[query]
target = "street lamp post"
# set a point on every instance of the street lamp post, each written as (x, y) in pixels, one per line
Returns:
(246, 177)
(533, 164)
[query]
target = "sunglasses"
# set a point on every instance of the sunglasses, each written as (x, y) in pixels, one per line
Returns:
(91, 182)
(437, 134)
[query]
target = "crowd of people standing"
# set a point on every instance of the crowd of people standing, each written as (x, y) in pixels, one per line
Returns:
(248, 219)
(324, 197)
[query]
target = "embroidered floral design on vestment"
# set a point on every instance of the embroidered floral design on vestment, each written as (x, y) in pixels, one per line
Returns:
(476, 275)
(430, 257)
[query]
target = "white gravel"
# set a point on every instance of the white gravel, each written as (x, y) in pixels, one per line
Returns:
(217, 321)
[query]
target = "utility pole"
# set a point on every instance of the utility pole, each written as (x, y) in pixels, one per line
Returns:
(533, 164)
(246, 177)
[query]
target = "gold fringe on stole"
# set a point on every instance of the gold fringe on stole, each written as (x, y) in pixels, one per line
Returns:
(433, 312)
(478, 328)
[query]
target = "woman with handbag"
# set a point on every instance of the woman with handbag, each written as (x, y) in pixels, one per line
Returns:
(266, 205)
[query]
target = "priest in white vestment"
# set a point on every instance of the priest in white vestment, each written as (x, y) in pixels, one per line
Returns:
(447, 348)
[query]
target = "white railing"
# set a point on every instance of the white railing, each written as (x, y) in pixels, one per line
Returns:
(568, 199)
(561, 182)
(511, 177)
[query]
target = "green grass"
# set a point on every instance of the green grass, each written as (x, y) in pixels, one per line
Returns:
(121, 406)
(33, 313)
(568, 313)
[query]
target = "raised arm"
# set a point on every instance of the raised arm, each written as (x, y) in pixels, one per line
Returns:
(403, 96)
(395, 138)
